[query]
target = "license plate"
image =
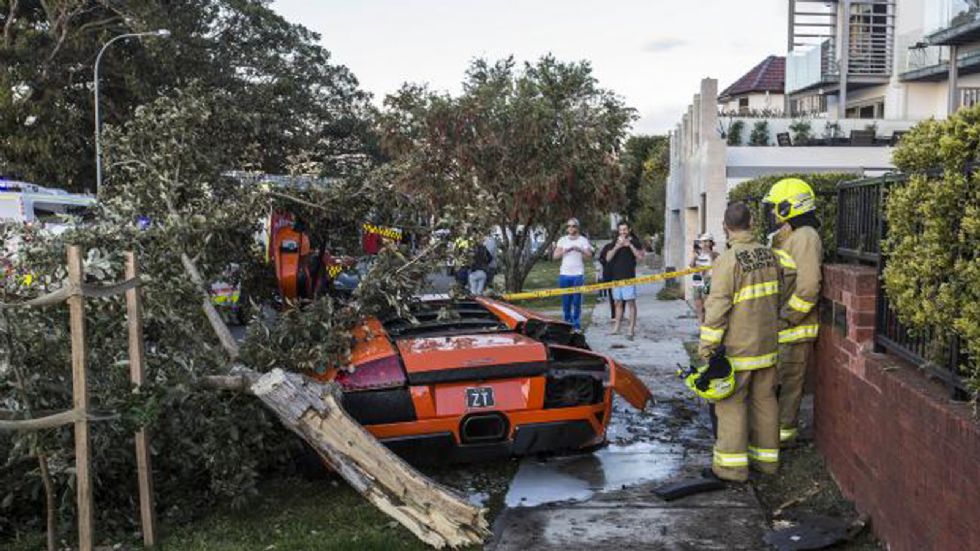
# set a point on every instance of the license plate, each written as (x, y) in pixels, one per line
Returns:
(481, 397)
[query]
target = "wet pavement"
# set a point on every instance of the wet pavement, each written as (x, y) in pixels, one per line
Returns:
(604, 500)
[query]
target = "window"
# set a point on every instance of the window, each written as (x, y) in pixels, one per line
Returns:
(743, 106)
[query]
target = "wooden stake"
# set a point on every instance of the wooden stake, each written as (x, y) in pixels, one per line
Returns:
(83, 452)
(134, 318)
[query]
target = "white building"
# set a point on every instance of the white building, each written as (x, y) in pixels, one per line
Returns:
(882, 59)
(857, 74)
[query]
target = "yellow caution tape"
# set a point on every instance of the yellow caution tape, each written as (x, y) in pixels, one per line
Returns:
(383, 231)
(600, 286)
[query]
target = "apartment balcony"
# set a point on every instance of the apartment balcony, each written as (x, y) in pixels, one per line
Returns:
(959, 23)
(816, 57)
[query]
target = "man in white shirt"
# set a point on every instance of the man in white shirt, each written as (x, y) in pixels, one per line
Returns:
(573, 249)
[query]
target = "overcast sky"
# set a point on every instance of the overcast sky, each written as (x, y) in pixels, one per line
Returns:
(652, 52)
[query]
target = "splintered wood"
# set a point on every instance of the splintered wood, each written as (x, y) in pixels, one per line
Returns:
(434, 513)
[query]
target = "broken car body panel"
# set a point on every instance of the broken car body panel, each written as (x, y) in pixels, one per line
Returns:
(630, 387)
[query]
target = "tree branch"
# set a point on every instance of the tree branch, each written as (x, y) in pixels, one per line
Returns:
(8, 26)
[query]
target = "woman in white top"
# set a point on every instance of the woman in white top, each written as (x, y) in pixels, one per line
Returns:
(573, 249)
(704, 256)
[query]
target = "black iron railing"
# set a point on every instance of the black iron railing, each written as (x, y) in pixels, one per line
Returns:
(861, 227)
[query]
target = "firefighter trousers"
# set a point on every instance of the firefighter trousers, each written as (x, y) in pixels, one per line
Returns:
(748, 427)
(793, 359)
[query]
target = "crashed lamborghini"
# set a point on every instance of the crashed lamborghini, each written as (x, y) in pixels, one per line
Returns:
(465, 380)
(479, 379)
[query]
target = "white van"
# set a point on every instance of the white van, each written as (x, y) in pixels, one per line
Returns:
(48, 207)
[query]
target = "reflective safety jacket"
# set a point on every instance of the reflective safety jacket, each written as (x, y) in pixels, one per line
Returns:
(742, 310)
(800, 253)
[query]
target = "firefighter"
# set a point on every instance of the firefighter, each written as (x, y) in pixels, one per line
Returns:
(741, 313)
(796, 244)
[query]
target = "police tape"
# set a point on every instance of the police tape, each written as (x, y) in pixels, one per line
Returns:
(601, 286)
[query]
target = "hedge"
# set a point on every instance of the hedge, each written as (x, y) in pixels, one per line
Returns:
(824, 185)
(932, 271)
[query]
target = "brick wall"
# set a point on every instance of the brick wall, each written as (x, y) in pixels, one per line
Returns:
(899, 448)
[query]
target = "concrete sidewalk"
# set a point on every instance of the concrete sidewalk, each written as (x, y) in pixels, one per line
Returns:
(604, 500)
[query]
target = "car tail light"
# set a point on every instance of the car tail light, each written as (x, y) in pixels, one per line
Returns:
(384, 373)
(569, 390)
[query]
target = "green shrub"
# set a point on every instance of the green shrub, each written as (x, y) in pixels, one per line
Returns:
(932, 275)
(752, 192)
(760, 134)
(735, 133)
(801, 131)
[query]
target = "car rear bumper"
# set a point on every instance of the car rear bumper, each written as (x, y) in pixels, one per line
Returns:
(438, 448)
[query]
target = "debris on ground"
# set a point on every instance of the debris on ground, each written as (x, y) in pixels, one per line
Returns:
(804, 490)
(434, 513)
(810, 532)
(687, 487)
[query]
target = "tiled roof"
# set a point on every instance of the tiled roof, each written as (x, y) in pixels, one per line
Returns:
(768, 76)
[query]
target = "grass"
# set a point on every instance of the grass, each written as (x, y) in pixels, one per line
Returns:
(295, 514)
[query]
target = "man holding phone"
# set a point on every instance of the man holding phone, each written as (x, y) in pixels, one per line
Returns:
(572, 249)
(621, 264)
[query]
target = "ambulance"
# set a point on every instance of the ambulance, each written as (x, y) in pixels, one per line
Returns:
(49, 208)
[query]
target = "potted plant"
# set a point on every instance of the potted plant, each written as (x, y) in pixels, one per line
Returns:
(735, 132)
(801, 131)
(760, 134)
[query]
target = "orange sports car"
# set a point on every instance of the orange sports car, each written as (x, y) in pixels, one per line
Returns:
(467, 379)
(479, 379)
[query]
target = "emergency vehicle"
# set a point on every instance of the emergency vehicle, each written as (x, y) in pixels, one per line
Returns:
(49, 207)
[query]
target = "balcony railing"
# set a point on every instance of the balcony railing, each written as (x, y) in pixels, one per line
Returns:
(948, 14)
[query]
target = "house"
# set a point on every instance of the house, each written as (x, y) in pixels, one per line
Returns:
(759, 90)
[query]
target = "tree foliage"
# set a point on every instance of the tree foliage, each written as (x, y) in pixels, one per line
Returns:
(521, 149)
(289, 95)
(824, 185)
(932, 275)
(170, 164)
(636, 151)
(647, 163)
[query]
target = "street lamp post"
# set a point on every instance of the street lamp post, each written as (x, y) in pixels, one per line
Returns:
(162, 33)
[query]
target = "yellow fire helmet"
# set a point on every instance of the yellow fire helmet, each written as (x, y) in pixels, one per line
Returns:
(790, 197)
(713, 381)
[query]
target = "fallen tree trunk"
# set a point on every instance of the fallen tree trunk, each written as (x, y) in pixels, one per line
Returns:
(434, 513)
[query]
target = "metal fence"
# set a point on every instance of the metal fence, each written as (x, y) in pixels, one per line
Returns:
(861, 227)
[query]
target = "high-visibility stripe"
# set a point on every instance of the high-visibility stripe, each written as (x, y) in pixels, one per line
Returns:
(746, 363)
(764, 455)
(785, 259)
(731, 459)
(800, 305)
(798, 333)
(710, 334)
(785, 435)
(756, 291)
